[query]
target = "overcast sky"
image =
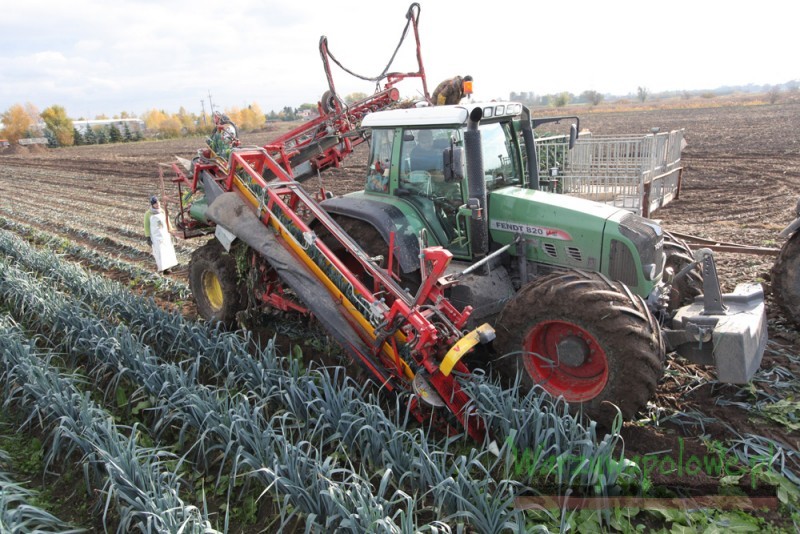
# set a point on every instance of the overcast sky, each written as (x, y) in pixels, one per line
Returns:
(94, 56)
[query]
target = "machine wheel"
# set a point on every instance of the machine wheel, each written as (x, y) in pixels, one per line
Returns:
(583, 337)
(786, 279)
(328, 102)
(373, 244)
(213, 281)
(685, 289)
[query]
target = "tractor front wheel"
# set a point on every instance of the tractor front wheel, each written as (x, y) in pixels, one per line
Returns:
(786, 279)
(213, 282)
(690, 284)
(583, 337)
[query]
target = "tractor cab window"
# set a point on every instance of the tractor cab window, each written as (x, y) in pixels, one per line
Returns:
(499, 165)
(421, 182)
(380, 159)
(422, 163)
(423, 152)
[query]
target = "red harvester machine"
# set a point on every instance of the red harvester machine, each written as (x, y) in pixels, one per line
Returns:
(252, 199)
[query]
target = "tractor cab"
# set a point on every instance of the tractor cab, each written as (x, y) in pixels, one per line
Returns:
(418, 157)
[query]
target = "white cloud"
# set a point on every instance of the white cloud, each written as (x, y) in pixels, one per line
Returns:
(97, 57)
(88, 45)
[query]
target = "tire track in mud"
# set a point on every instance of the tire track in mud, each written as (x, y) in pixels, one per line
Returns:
(134, 232)
(134, 275)
(123, 170)
(86, 182)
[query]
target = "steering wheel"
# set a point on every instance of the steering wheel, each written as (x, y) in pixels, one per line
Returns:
(420, 181)
(417, 177)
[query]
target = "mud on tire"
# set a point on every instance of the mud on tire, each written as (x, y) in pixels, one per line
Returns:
(686, 288)
(594, 341)
(372, 242)
(213, 282)
(786, 279)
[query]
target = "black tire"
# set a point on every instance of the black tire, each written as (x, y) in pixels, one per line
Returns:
(372, 242)
(328, 102)
(786, 279)
(687, 287)
(214, 285)
(589, 316)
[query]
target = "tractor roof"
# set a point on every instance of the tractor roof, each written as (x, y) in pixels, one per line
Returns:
(440, 115)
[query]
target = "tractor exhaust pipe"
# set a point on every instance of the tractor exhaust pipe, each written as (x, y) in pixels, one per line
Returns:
(476, 184)
(530, 148)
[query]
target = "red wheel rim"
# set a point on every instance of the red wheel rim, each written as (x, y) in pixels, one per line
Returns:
(565, 360)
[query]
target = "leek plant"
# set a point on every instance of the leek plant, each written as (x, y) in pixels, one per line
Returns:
(313, 440)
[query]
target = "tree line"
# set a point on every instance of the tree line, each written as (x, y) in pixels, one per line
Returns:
(594, 98)
(99, 135)
(26, 121)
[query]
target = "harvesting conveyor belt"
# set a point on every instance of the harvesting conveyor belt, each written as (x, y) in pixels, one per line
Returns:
(407, 342)
(230, 211)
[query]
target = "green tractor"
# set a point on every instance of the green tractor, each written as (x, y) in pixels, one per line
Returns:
(586, 299)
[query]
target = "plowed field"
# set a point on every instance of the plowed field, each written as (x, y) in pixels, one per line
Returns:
(741, 182)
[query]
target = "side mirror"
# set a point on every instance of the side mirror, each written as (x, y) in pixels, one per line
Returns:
(453, 159)
(573, 135)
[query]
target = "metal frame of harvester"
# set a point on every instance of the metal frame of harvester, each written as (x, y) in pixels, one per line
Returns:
(406, 341)
(393, 336)
(320, 143)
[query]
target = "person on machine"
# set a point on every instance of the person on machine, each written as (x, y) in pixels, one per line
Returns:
(452, 90)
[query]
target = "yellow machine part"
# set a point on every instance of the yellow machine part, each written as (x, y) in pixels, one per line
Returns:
(483, 334)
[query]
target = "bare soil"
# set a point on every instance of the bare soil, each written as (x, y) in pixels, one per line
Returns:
(741, 182)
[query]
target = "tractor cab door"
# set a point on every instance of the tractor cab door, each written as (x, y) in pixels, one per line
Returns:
(421, 182)
(380, 161)
(501, 155)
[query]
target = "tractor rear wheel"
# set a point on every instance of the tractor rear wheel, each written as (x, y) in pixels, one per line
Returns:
(686, 288)
(213, 282)
(786, 279)
(583, 337)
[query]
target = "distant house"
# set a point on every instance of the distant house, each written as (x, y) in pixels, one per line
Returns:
(4, 143)
(33, 141)
(307, 114)
(134, 125)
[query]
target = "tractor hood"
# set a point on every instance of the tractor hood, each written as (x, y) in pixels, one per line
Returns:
(559, 229)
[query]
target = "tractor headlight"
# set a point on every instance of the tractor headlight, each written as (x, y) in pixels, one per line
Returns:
(502, 109)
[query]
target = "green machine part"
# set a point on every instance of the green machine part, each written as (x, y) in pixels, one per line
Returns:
(573, 232)
(198, 209)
